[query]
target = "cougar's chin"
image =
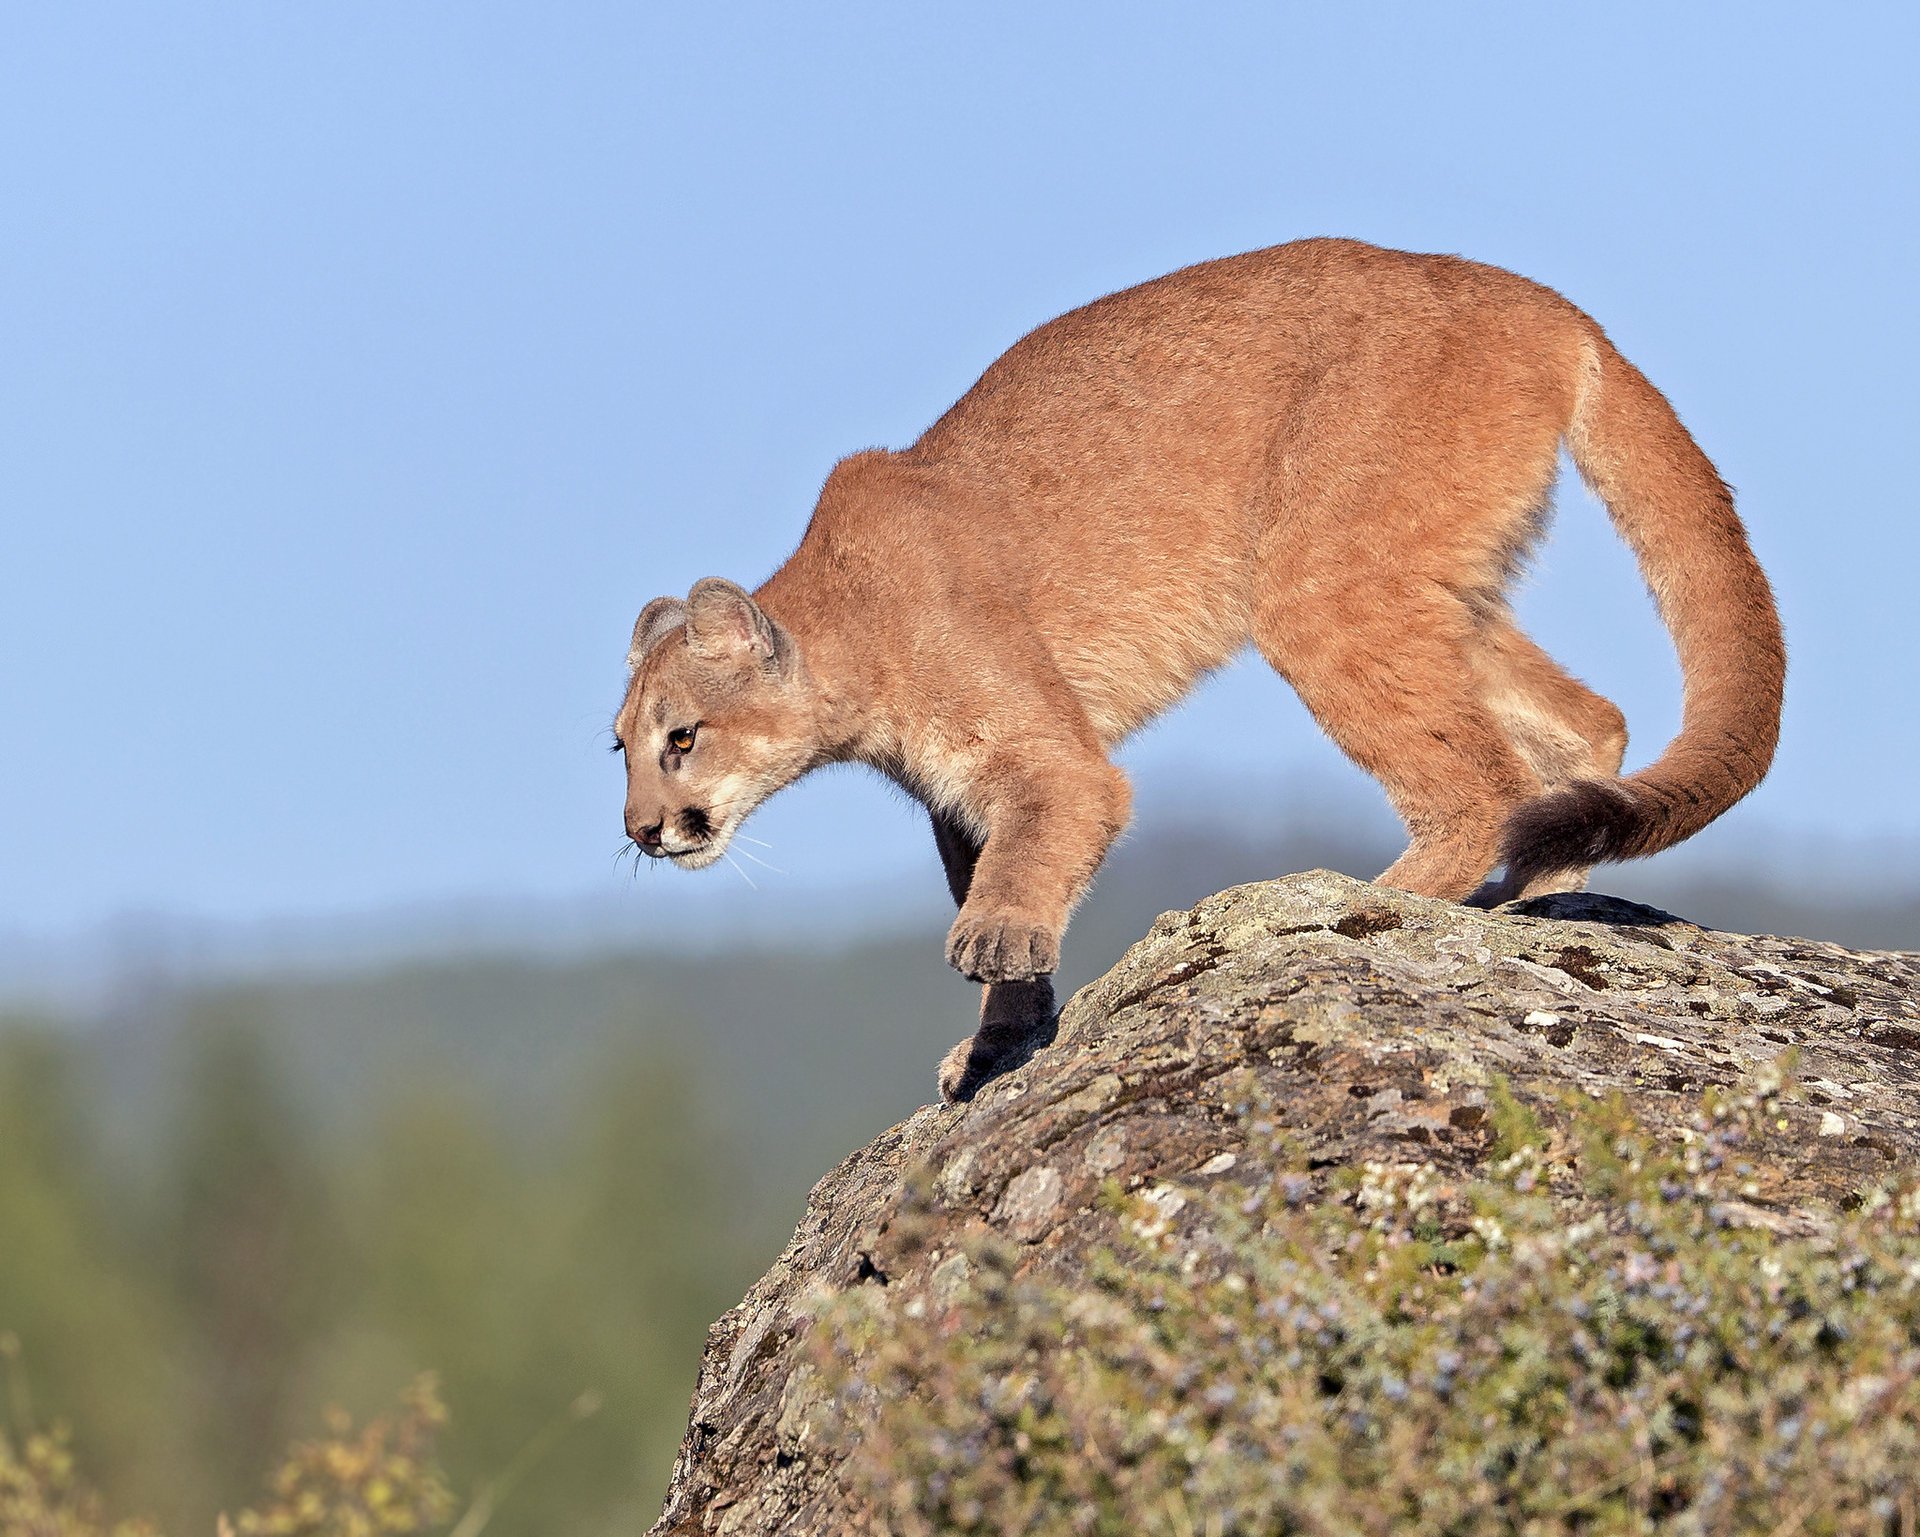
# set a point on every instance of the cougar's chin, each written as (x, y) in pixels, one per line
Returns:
(702, 854)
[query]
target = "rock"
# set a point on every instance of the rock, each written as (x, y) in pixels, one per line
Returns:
(1376, 1023)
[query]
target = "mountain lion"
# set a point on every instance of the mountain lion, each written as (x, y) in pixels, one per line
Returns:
(1338, 453)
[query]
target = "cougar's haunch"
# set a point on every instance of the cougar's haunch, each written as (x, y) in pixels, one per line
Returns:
(1338, 453)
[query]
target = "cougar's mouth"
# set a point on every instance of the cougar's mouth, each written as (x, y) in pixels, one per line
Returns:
(705, 842)
(704, 832)
(702, 841)
(698, 856)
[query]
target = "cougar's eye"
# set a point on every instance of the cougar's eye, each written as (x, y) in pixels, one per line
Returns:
(681, 740)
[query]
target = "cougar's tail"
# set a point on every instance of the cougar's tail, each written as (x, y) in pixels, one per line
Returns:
(1676, 515)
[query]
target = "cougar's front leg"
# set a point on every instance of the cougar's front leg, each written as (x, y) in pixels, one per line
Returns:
(1049, 821)
(1016, 1018)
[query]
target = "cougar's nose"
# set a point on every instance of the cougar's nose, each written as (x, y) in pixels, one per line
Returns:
(648, 837)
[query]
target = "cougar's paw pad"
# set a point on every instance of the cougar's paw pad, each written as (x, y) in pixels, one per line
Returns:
(1002, 950)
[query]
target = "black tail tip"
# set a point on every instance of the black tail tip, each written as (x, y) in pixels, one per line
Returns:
(1587, 823)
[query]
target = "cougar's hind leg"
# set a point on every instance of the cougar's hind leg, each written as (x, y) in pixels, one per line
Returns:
(1564, 729)
(1392, 524)
(1016, 1018)
(1384, 663)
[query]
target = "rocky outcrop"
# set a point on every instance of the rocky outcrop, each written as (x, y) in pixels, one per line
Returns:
(1377, 1024)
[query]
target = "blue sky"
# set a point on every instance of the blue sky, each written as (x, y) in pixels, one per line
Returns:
(364, 368)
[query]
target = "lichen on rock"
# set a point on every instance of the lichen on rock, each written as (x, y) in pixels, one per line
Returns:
(1399, 1055)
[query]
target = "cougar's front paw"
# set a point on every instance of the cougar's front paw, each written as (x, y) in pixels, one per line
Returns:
(998, 948)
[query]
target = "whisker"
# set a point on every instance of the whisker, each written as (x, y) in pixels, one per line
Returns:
(738, 868)
(749, 854)
(762, 842)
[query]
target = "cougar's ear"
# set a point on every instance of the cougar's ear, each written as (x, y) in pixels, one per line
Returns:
(658, 617)
(723, 622)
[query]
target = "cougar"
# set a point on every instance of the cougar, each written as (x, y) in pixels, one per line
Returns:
(1338, 453)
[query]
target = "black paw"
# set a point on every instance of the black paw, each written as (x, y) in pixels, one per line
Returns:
(979, 1059)
(961, 1076)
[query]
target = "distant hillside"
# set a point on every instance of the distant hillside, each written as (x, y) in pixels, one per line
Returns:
(808, 1048)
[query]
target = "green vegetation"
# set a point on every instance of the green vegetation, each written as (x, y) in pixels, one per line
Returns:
(191, 1312)
(379, 1481)
(1590, 1336)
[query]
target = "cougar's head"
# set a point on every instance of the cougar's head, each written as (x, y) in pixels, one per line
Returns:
(717, 717)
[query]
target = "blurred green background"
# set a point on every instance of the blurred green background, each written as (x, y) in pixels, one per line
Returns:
(225, 1203)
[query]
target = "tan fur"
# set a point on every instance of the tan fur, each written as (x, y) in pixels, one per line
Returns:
(1338, 453)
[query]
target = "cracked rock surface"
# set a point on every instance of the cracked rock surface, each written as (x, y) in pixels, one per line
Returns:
(1375, 1022)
